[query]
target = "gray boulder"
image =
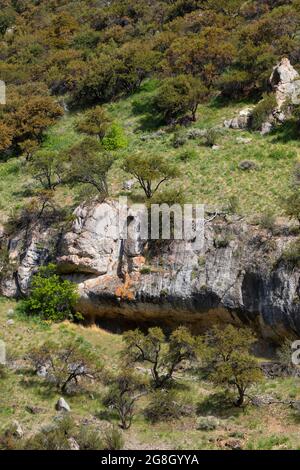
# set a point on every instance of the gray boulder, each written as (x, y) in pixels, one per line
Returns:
(16, 430)
(62, 405)
(242, 121)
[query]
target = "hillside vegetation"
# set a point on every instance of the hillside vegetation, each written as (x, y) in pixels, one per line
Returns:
(62, 58)
(209, 422)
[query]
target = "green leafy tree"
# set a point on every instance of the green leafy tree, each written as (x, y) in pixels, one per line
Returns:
(90, 164)
(178, 96)
(164, 356)
(151, 171)
(47, 167)
(231, 363)
(95, 122)
(67, 362)
(51, 298)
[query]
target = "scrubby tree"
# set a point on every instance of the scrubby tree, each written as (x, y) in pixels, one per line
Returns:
(66, 362)
(164, 355)
(90, 164)
(6, 136)
(231, 362)
(34, 116)
(179, 96)
(95, 122)
(151, 171)
(124, 391)
(47, 167)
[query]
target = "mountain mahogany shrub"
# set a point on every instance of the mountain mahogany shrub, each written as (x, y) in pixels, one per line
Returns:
(179, 96)
(151, 171)
(230, 361)
(51, 298)
(67, 362)
(95, 122)
(162, 354)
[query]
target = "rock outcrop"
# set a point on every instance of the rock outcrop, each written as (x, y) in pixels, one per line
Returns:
(285, 84)
(237, 275)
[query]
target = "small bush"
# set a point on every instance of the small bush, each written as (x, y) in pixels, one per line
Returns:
(163, 406)
(207, 423)
(267, 220)
(179, 140)
(113, 439)
(115, 138)
(211, 137)
(145, 270)
(262, 111)
(187, 155)
(248, 165)
(291, 254)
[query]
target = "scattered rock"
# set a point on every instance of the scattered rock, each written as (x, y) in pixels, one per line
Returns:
(33, 410)
(62, 405)
(73, 444)
(207, 423)
(129, 185)
(247, 165)
(242, 121)
(10, 312)
(16, 430)
(266, 128)
(216, 147)
(243, 140)
(42, 372)
(10, 322)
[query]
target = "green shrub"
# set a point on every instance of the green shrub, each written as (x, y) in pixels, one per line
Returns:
(262, 111)
(145, 270)
(51, 298)
(211, 137)
(187, 155)
(115, 138)
(267, 220)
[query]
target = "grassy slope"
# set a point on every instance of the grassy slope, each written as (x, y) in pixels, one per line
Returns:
(208, 176)
(269, 427)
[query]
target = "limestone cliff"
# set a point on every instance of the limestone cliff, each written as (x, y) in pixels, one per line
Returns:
(237, 276)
